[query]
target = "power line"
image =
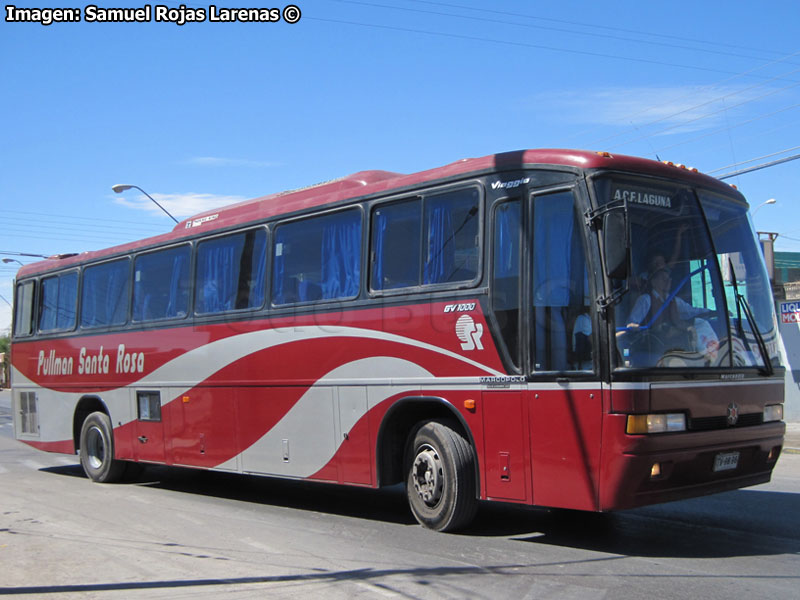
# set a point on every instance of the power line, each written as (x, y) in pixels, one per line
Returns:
(744, 162)
(517, 44)
(759, 167)
(604, 27)
(516, 23)
(750, 72)
(702, 104)
(707, 115)
(72, 228)
(729, 128)
(92, 220)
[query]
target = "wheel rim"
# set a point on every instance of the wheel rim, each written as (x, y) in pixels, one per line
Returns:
(95, 448)
(427, 475)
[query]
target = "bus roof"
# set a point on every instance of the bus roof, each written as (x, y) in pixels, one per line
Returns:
(367, 183)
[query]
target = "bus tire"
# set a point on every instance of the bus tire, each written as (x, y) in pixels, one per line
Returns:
(97, 450)
(440, 481)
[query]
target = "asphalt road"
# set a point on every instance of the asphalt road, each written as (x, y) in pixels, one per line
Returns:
(179, 533)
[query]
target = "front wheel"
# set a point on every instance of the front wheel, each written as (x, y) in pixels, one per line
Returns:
(97, 450)
(440, 484)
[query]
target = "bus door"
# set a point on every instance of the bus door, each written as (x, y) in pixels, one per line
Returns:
(505, 431)
(565, 394)
(149, 434)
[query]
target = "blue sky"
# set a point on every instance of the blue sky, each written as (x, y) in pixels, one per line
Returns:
(206, 114)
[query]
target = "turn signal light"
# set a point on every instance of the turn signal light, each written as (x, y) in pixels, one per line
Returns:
(655, 423)
(773, 412)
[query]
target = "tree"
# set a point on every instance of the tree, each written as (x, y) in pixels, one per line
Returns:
(5, 345)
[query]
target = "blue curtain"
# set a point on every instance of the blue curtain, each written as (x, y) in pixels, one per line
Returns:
(554, 245)
(105, 295)
(440, 258)
(177, 303)
(116, 298)
(552, 238)
(60, 298)
(260, 270)
(47, 320)
(67, 300)
(279, 268)
(218, 275)
(507, 241)
(341, 256)
(380, 224)
(138, 299)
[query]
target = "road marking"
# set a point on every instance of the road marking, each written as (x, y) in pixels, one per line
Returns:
(3, 469)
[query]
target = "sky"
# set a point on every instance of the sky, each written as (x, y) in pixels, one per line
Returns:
(208, 113)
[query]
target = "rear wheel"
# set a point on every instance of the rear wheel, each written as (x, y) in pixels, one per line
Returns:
(440, 482)
(97, 450)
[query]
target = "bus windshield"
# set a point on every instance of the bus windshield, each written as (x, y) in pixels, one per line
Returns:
(698, 293)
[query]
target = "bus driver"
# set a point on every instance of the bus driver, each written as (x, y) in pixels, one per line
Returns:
(676, 324)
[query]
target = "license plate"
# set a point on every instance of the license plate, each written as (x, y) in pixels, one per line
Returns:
(725, 461)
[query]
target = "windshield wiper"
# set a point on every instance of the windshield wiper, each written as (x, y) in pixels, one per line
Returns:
(741, 303)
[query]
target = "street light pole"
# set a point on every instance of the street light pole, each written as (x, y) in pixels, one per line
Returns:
(24, 254)
(121, 187)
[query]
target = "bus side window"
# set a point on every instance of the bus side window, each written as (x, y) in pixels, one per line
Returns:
(161, 284)
(106, 294)
(451, 228)
(317, 258)
(23, 307)
(562, 325)
(59, 302)
(231, 272)
(426, 242)
(395, 252)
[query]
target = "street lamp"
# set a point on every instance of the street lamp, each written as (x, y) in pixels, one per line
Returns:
(121, 187)
(770, 201)
(10, 260)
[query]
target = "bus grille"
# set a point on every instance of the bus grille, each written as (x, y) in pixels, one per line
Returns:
(721, 422)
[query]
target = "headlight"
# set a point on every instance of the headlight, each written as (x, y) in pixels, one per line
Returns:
(773, 412)
(656, 423)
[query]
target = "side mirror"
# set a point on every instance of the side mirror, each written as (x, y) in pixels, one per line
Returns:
(616, 244)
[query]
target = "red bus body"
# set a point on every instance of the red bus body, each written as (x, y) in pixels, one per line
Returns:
(330, 392)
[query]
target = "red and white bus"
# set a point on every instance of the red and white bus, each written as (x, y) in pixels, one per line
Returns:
(547, 327)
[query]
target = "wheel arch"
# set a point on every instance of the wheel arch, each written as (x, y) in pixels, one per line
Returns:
(398, 424)
(86, 406)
